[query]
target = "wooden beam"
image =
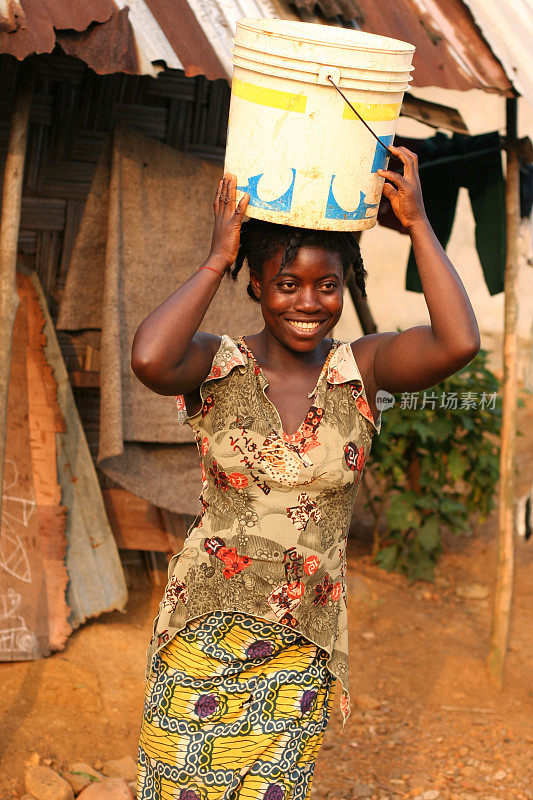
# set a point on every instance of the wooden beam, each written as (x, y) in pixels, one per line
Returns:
(136, 523)
(501, 615)
(9, 233)
(435, 115)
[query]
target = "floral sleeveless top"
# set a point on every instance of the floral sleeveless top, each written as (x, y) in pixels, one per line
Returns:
(270, 539)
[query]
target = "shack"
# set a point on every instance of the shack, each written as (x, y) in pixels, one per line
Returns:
(99, 104)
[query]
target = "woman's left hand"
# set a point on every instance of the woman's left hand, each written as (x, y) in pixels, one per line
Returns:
(405, 196)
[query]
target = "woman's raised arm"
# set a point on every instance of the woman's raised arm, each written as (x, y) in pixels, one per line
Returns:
(168, 353)
(420, 357)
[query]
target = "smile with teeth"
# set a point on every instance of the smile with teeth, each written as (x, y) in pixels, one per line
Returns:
(304, 326)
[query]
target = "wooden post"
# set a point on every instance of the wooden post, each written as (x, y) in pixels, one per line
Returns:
(9, 232)
(362, 309)
(501, 614)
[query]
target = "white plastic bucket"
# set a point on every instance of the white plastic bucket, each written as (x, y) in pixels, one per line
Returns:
(295, 145)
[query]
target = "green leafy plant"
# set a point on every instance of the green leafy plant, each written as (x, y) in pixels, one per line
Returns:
(435, 465)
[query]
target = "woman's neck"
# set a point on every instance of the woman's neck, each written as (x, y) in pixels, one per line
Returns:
(274, 356)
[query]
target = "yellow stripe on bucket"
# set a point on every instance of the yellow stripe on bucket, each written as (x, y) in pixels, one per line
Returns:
(273, 98)
(373, 112)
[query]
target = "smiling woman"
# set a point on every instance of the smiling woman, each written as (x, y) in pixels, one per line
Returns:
(252, 629)
(261, 241)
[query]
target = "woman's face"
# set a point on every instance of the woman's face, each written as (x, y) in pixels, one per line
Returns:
(304, 302)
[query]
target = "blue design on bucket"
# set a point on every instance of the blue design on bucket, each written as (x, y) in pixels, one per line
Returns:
(334, 211)
(282, 203)
(380, 154)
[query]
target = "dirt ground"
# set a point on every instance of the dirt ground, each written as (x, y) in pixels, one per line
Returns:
(426, 720)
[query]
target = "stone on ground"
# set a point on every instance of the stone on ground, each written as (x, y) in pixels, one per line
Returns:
(125, 768)
(81, 775)
(472, 591)
(108, 789)
(45, 784)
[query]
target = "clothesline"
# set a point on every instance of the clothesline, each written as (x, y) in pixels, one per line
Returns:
(452, 159)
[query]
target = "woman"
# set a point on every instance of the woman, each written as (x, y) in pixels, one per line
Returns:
(251, 634)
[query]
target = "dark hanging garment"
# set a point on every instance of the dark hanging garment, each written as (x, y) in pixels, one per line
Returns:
(472, 162)
(526, 190)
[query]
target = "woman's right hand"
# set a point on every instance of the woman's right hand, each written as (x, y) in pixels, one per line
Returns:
(228, 220)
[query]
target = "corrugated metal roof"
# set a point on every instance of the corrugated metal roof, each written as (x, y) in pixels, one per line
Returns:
(100, 30)
(507, 25)
(107, 47)
(450, 51)
(218, 18)
(144, 36)
(131, 36)
(38, 19)
(153, 45)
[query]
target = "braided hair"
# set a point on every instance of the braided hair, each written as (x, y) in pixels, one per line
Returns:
(260, 241)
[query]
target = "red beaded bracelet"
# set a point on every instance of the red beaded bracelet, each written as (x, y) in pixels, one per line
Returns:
(212, 270)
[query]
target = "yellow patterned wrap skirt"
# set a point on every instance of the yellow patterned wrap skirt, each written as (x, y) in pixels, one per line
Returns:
(235, 709)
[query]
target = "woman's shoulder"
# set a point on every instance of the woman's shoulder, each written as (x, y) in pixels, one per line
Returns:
(228, 356)
(353, 363)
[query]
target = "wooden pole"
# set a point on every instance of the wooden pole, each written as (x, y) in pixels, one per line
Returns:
(362, 309)
(9, 231)
(501, 615)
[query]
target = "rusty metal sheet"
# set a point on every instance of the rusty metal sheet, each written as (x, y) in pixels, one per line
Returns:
(131, 36)
(29, 26)
(187, 38)
(77, 16)
(450, 51)
(107, 37)
(105, 48)
(11, 16)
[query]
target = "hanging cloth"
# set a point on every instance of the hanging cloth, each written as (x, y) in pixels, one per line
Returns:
(473, 163)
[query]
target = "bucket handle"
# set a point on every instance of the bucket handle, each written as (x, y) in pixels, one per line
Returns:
(325, 73)
(328, 74)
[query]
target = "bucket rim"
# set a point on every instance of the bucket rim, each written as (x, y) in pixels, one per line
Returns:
(236, 44)
(346, 82)
(257, 25)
